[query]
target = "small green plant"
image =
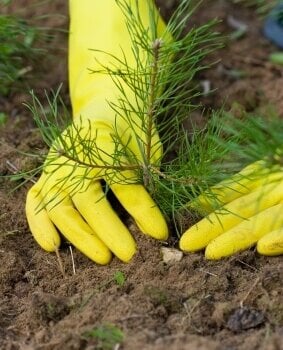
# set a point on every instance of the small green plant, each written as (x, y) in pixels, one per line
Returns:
(119, 278)
(106, 336)
(3, 118)
(16, 51)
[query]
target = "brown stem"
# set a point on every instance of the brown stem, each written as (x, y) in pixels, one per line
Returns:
(151, 109)
(171, 178)
(152, 95)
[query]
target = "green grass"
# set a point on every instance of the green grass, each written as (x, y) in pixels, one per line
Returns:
(119, 278)
(106, 336)
(17, 52)
(3, 119)
(261, 6)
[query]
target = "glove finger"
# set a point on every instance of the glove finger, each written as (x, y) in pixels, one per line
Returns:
(70, 223)
(272, 243)
(246, 234)
(198, 236)
(41, 227)
(139, 204)
(233, 188)
(98, 213)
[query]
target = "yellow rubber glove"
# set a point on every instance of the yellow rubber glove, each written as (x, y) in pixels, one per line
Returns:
(242, 211)
(60, 200)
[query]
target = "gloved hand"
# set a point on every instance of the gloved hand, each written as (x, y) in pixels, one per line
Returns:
(242, 211)
(69, 196)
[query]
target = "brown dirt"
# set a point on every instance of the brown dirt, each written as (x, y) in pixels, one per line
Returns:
(235, 304)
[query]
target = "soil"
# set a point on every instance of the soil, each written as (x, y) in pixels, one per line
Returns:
(234, 304)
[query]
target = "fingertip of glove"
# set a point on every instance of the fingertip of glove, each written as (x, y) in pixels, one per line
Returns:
(217, 251)
(183, 243)
(155, 226)
(189, 242)
(127, 254)
(43, 231)
(264, 249)
(161, 232)
(271, 244)
(104, 257)
(211, 254)
(49, 247)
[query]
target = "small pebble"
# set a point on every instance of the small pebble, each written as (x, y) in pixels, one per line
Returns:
(244, 318)
(171, 255)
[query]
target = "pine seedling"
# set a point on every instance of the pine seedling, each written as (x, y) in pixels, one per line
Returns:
(162, 85)
(165, 90)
